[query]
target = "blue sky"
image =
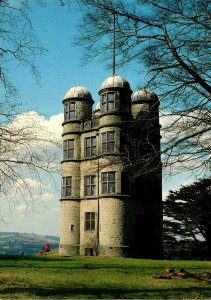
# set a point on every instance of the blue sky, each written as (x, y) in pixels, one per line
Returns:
(60, 69)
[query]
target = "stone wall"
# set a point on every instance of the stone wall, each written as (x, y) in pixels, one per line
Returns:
(70, 227)
(88, 238)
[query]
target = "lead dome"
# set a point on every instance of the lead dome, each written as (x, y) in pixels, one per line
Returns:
(144, 94)
(115, 81)
(78, 92)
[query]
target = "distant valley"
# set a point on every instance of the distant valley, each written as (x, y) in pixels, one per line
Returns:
(28, 243)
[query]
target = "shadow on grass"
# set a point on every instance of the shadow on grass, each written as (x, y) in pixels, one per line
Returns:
(34, 258)
(112, 293)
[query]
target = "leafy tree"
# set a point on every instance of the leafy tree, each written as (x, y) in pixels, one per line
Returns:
(171, 39)
(187, 213)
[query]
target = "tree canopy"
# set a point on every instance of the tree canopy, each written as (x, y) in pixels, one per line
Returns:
(171, 39)
(187, 216)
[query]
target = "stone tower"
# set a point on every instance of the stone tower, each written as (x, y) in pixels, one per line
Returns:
(111, 173)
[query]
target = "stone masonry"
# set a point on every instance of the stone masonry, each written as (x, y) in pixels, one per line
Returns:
(111, 201)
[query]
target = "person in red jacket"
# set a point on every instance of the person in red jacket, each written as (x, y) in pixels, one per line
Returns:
(45, 249)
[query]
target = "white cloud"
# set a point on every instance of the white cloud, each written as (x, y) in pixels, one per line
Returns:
(54, 125)
(189, 181)
(164, 195)
(21, 209)
(48, 197)
(38, 127)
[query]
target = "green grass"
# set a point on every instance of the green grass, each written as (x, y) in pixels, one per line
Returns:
(98, 278)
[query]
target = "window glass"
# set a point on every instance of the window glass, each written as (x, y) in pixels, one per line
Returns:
(66, 186)
(111, 187)
(93, 141)
(111, 176)
(104, 137)
(68, 149)
(69, 111)
(107, 102)
(110, 106)
(88, 142)
(110, 135)
(108, 142)
(68, 191)
(110, 97)
(89, 220)
(90, 146)
(108, 182)
(89, 185)
(104, 188)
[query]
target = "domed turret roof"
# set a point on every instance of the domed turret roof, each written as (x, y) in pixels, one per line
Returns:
(144, 94)
(115, 81)
(78, 92)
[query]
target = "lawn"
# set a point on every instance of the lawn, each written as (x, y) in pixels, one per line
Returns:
(98, 278)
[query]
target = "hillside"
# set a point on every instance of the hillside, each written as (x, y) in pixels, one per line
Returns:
(29, 243)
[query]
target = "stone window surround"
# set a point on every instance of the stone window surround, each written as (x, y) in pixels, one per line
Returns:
(66, 186)
(89, 185)
(90, 144)
(108, 101)
(68, 148)
(108, 142)
(108, 182)
(69, 110)
(89, 221)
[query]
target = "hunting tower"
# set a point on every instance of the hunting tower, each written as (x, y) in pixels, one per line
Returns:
(111, 202)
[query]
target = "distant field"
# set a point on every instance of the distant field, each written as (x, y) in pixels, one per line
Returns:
(29, 243)
(98, 278)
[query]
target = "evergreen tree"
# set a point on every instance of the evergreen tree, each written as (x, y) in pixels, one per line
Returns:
(187, 221)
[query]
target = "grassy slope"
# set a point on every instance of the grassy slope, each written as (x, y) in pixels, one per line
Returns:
(97, 277)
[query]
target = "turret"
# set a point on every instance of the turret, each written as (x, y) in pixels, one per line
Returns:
(145, 102)
(115, 96)
(77, 107)
(77, 104)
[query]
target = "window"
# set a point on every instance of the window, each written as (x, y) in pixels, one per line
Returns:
(90, 146)
(107, 102)
(89, 185)
(66, 186)
(108, 142)
(108, 182)
(68, 149)
(136, 148)
(69, 111)
(89, 221)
